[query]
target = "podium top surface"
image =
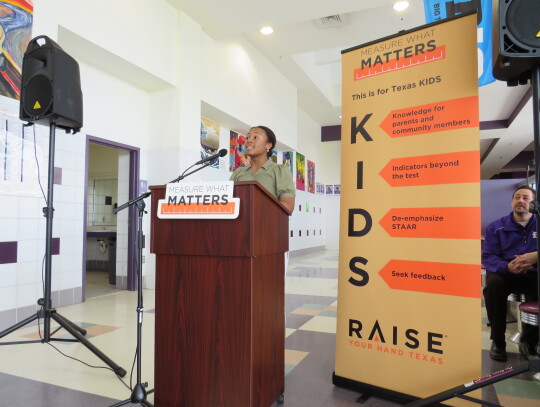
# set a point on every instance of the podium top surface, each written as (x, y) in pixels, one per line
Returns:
(261, 227)
(239, 183)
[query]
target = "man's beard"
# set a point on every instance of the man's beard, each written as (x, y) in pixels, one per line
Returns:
(521, 211)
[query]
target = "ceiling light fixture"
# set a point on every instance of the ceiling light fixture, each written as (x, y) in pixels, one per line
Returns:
(267, 30)
(400, 5)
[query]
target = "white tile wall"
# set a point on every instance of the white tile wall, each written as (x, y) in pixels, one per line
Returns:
(65, 280)
(58, 157)
(43, 228)
(27, 229)
(22, 221)
(28, 272)
(308, 221)
(79, 191)
(10, 207)
(64, 193)
(8, 298)
(72, 161)
(70, 247)
(28, 250)
(8, 231)
(71, 263)
(28, 294)
(8, 275)
(31, 207)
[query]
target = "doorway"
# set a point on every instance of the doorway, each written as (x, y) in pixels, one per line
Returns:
(111, 179)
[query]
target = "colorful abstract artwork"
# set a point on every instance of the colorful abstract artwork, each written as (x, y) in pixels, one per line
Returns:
(16, 18)
(273, 157)
(209, 139)
(300, 172)
(237, 151)
(311, 176)
(288, 160)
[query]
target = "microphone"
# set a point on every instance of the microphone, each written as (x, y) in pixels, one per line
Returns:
(534, 207)
(220, 153)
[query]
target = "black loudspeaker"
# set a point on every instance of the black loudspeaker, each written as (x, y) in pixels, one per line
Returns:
(516, 39)
(51, 86)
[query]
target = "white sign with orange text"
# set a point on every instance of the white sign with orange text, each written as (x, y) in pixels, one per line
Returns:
(200, 200)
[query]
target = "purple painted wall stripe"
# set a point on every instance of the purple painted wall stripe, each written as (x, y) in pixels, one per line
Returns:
(331, 133)
(55, 247)
(8, 252)
(58, 175)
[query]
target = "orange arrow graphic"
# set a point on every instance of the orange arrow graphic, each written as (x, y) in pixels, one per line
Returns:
(462, 280)
(443, 223)
(450, 168)
(433, 117)
(197, 209)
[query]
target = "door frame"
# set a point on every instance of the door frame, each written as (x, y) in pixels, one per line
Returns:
(134, 167)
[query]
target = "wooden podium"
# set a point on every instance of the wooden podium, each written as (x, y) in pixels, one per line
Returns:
(220, 329)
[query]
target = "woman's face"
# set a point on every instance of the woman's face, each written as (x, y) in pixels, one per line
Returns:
(257, 142)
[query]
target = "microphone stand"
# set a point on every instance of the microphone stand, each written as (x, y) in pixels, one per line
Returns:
(184, 175)
(139, 393)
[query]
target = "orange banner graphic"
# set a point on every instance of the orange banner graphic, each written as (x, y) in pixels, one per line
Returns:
(462, 280)
(448, 168)
(433, 117)
(198, 209)
(379, 65)
(442, 223)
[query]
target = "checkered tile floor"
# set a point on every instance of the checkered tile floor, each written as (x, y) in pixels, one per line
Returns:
(37, 375)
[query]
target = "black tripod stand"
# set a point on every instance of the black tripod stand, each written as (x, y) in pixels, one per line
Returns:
(533, 365)
(47, 311)
(139, 393)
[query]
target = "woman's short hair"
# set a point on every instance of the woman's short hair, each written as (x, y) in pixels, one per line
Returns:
(271, 138)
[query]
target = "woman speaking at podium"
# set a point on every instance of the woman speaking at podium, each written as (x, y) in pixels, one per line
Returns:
(276, 179)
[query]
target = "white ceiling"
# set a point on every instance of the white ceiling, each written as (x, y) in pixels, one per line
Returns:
(310, 57)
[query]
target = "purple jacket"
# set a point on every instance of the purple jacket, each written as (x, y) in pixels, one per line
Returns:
(506, 238)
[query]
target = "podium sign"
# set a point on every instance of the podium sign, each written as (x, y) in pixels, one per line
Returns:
(201, 200)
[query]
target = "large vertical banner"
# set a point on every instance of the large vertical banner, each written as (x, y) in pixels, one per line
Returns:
(409, 309)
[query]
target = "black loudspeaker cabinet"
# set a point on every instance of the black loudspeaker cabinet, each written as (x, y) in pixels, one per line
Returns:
(516, 39)
(51, 86)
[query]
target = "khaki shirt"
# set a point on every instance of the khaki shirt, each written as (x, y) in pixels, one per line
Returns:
(275, 178)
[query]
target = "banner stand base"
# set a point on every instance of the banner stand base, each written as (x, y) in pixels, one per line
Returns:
(375, 391)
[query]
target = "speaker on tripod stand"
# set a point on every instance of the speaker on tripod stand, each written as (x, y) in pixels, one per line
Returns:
(516, 40)
(51, 86)
(51, 94)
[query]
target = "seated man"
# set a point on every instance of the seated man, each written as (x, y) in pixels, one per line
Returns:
(509, 256)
